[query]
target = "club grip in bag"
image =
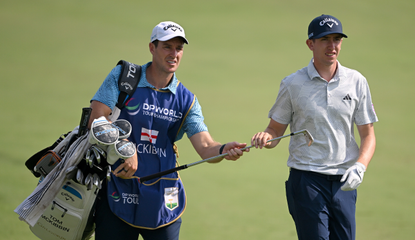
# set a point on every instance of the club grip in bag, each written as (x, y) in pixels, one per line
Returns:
(83, 125)
(159, 174)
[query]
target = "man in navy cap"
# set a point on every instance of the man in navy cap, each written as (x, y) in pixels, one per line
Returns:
(327, 99)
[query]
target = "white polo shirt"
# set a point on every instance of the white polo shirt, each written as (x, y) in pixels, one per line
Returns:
(328, 110)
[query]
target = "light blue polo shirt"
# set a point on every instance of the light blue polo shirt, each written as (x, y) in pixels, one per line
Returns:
(328, 110)
(108, 94)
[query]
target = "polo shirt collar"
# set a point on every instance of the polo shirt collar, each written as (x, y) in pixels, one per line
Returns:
(172, 87)
(312, 72)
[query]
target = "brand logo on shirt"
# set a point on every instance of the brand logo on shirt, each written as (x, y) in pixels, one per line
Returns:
(132, 109)
(115, 197)
(347, 97)
(130, 198)
(161, 113)
(152, 110)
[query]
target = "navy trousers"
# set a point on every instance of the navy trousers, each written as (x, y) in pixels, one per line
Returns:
(110, 227)
(319, 208)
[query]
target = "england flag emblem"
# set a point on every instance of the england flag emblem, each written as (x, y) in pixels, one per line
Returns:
(149, 135)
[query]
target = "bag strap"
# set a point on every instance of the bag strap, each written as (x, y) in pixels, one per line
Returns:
(128, 81)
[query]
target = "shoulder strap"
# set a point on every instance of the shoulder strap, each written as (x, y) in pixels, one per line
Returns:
(128, 81)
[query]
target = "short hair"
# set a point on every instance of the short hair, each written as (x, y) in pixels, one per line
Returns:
(156, 42)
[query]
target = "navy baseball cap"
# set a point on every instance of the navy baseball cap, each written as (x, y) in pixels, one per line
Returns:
(324, 25)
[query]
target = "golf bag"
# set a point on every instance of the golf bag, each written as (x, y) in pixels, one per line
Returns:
(70, 213)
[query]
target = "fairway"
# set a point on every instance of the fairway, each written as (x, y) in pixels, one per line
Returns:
(55, 55)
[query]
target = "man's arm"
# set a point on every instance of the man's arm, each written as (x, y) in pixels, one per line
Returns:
(353, 176)
(367, 143)
(98, 110)
(274, 129)
(206, 147)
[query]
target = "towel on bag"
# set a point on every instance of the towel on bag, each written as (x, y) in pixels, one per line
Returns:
(31, 209)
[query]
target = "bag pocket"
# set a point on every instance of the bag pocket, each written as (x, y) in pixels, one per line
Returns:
(57, 222)
(68, 215)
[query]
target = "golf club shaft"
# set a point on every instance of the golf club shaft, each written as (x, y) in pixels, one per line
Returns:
(159, 174)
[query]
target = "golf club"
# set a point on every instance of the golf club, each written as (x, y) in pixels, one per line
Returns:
(83, 125)
(305, 132)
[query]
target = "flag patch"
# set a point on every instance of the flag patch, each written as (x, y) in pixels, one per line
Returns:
(149, 135)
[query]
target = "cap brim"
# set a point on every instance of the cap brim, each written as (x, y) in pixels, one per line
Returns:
(168, 37)
(327, 33)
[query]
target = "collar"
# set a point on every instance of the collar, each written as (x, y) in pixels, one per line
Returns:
(172, 87)
(312, 72)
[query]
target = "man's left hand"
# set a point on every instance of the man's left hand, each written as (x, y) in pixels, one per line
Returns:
(354, 176)
(127, 168)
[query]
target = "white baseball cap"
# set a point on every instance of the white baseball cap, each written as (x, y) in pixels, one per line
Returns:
(165, 31)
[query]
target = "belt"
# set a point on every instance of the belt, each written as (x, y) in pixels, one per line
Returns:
(327, 177)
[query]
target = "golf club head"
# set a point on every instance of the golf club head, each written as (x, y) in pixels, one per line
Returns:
(90, 183)
(87, 156)
(87, 179)
(109, 173)
(308, 137)
(91, 159)
(97, 155)
(79, 176)
(97, 181)
(101, 151)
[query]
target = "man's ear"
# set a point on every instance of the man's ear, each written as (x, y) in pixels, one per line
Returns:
(310, 44)
(152, 47)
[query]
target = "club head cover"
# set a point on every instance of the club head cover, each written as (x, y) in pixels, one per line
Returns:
(121, 149)
(124, 128)
(103, 132)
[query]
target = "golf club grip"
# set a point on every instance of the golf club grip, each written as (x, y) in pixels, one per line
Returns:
(159, 174)
(83, 124)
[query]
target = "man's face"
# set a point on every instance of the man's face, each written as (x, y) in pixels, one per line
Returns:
(326, 49)
(167, 55)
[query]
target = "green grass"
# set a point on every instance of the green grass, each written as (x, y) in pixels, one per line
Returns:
(55, 54)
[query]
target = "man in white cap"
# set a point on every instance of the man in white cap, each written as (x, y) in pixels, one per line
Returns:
(161, 110)
(327, 99)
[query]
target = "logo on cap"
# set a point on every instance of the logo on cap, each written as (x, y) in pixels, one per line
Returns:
(172, 27)
(327, 20)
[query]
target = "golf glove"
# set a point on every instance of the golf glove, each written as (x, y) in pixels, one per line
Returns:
(353, 177)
